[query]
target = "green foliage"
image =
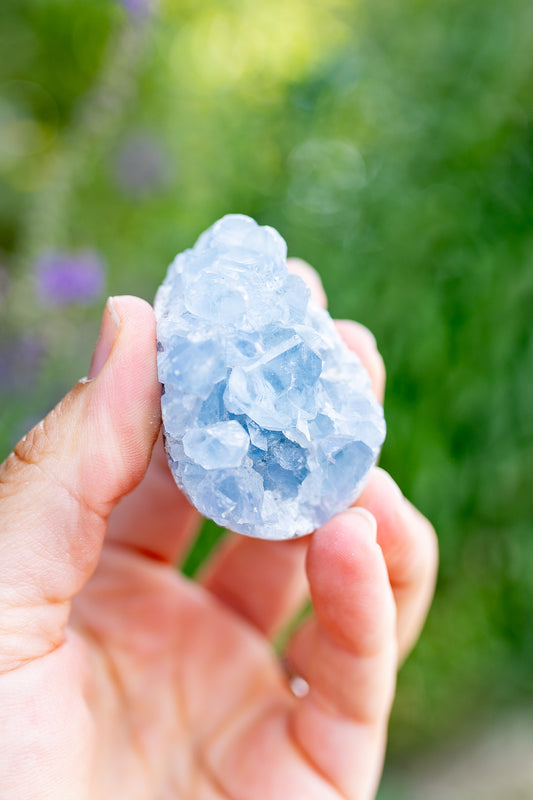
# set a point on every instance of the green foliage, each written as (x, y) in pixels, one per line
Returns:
(391, 144)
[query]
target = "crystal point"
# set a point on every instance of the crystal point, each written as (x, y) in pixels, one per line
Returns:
(270, 424)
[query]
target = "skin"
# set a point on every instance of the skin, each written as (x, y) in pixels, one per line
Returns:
(121, 678)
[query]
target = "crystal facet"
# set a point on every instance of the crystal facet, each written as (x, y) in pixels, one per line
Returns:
(270, 425)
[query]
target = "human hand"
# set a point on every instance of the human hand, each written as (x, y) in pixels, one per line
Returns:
(121, 678)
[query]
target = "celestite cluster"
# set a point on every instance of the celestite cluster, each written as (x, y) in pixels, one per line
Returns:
(269, 422)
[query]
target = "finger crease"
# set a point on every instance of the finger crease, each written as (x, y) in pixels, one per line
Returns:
(310, 761)
(52, 478)
(213, 779)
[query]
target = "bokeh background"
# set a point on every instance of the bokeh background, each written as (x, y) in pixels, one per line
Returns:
(392, 146)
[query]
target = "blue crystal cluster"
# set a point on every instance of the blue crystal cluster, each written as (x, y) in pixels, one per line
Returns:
(270, 425)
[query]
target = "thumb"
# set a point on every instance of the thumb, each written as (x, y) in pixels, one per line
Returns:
(64, 477)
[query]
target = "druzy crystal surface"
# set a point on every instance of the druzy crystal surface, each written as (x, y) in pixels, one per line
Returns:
(270, 426)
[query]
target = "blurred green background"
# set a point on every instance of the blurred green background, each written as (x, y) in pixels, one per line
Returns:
(392, 146)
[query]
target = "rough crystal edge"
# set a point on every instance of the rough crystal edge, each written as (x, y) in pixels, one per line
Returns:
(300, 526)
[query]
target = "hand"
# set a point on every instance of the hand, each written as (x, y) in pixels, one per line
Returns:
(120, 678)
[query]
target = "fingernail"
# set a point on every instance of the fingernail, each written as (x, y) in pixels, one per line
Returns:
(108, 330)
(367, 519)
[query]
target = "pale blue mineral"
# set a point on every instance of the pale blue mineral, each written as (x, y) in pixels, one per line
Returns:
(270, 425)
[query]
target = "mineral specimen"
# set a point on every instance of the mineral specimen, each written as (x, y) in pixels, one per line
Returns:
(270, 425)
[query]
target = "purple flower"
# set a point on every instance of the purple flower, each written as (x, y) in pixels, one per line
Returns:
(63, 278)
(141, 166)
(137, 8)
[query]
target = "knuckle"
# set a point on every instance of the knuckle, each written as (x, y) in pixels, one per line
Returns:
(35, 445)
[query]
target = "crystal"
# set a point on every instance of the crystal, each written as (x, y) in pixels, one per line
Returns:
(269, 421)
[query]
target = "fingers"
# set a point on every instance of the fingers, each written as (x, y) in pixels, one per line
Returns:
(347, 654)
(334, 742)
(264, 582)
(410, 550)
(59, 485)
